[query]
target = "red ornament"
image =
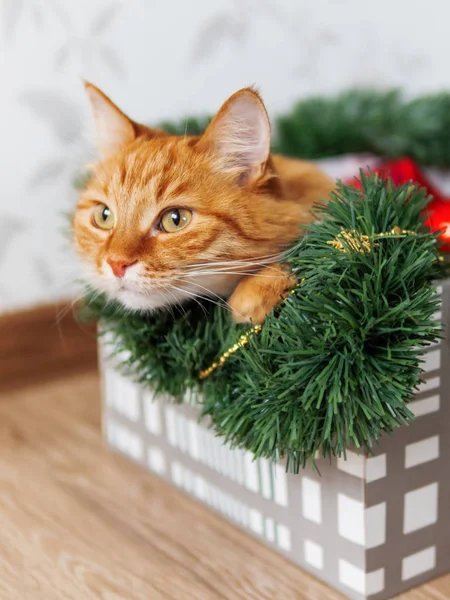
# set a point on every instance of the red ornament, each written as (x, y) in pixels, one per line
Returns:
(405, 170)
(438, 213)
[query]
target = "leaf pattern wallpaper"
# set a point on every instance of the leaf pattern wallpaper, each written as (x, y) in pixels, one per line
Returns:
(165, 60)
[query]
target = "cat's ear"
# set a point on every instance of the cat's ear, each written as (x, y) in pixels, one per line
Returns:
(113, 129)
(239, 136)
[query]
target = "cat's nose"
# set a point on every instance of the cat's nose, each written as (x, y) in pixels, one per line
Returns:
(119, 267)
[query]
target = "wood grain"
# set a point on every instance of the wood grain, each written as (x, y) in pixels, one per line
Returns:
(78, 522)
(44, 343)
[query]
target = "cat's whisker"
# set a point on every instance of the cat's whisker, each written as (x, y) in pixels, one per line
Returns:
(259, 261)
(126, 313)
(263, 257)
(223, 303)
(169, 305)
(194, 295)
(189, 293)
(210, 292)
(244, 273)
(238, 269)
(220, 268)
(162, 289)
(175, 302)
(60, 314)
(70, 307)
(234, 267)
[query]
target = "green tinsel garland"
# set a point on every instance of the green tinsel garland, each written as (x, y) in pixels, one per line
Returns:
(338, 362)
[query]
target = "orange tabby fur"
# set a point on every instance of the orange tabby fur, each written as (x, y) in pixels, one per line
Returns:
(246, 208)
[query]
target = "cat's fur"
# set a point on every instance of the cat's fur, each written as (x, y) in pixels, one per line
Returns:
(246, 208)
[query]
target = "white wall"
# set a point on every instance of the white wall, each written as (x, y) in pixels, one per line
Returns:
(166, 59)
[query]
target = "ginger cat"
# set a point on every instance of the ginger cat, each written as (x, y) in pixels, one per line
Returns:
(165, 219)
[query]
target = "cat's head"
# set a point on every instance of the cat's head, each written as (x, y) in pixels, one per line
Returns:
(164, 218)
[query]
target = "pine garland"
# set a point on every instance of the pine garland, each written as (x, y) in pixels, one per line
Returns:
(336, 365)
(358, 121)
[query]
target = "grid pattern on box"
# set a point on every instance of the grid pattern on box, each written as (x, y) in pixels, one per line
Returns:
(328, 528)
(360, 581)
(259, 476)
(363, 526)
(125, 440)
(234, 509)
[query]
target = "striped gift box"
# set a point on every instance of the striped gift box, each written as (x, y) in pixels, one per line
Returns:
(371, 527)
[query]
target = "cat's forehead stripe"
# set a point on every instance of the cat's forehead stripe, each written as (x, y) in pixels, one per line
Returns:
(162, 185)
(177, 189)
(152, 170)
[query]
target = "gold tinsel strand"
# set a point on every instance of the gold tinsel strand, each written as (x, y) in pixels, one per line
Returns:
(242, 341)
(353, 240)
(350, 239)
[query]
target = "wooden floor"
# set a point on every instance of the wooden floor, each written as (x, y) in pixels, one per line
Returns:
(78, 522)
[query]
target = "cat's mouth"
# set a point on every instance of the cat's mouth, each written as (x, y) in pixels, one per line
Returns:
(128, 291)
(136, 298)
(129, 287)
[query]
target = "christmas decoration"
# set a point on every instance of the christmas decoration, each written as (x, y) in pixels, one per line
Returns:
(355, 317)
(331, 369)
(358, 121)
(368, 121)
(337, 363)
(404, 170)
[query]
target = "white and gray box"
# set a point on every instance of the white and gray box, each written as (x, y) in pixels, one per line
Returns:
(370, 526)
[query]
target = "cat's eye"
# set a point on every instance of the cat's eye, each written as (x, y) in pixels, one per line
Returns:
(175, 219)
(102, 217)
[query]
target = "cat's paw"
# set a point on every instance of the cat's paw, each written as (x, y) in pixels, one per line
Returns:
(255, 296)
